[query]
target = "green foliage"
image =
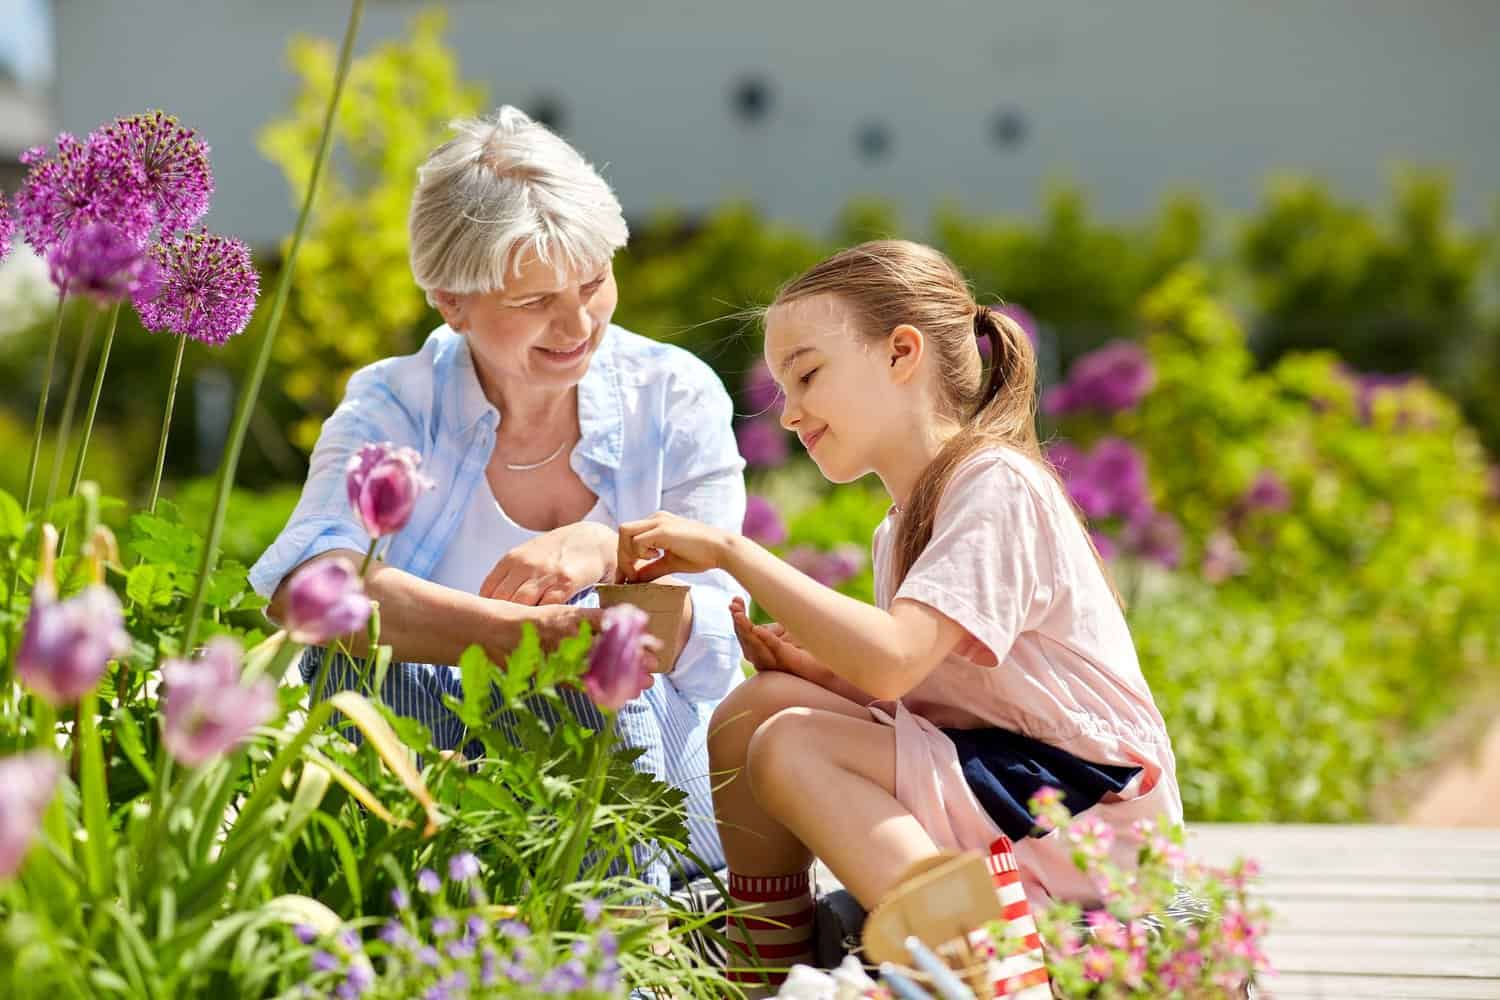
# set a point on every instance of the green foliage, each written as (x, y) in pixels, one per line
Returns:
(353, 299)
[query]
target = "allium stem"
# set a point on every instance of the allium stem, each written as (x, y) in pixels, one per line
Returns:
(166, 424)
(248, 396)
(70, 404)
(41, 406)
(88, 423)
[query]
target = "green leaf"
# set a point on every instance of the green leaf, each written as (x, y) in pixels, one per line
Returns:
(12, 520)
(155, 539)
(226, 585)
(151, 585)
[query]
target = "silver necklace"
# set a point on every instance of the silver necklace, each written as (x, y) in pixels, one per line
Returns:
(538, 465)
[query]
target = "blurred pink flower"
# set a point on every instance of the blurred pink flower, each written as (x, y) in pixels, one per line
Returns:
(830, 568)
(761, 390)
(763, 521)
(208, 711)
(617, 664)
(1222, 557)
(1113, 378)
(66, 645)
(762, 442)
(27, 783)
(326, 599)
(1098, 964)
(383, 485)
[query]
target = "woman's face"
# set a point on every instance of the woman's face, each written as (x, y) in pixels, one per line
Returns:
(542, 329)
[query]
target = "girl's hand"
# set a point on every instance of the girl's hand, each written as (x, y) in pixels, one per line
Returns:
(665, 543)
(771, 647)
(553, 566)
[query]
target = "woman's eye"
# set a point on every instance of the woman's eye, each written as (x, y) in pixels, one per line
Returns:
(537, 303)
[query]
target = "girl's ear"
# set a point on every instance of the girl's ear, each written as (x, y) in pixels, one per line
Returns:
(451, 306)
(904, 349)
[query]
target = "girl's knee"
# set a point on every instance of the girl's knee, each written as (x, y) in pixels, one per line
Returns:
(746, 709)
(780, 746)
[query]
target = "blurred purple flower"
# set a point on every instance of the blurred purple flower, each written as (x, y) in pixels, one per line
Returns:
(399, 899)
(7, 227)
(174, 164)
(1065, 458)
(358, 979)
(1115, 377)
(306, 933)
(592, 909)
(1222, 557)
(1369, 386)
(323, 961)
(325, 599)
(763, 521)
(1023, 317)
(349, 940)
(95, 181)
(1157, 537)
(1118, 468)
(443, 926)
(761, 390)
(428, 882)
(1267, 493)
(208, 710)
(762, 442)
(383, 486)
(463, 866)
(830, 568)
(208, 287)
(617, 664)
(66, 645)
(1104, 543)
(27, 783)
(100, 260)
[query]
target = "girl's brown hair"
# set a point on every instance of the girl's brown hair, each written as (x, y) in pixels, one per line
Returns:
(885, 283)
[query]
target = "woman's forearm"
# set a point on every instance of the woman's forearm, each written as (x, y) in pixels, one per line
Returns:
(425, 622)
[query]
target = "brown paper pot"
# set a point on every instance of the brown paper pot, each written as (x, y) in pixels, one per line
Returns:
(939, 901)
(664, 603)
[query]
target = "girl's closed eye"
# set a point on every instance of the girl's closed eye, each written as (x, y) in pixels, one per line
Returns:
(806, 379)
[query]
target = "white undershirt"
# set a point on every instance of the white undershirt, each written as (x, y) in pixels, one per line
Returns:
(485, 535)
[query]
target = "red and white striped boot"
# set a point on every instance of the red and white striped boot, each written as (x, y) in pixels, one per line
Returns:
(1021, 974)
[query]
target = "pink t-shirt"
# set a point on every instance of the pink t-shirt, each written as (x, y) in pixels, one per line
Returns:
(1049, 656)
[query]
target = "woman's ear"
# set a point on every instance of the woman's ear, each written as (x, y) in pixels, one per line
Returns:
(904, 349)
(451, 306)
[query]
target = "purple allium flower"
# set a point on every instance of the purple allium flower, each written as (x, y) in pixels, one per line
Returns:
(428, 882)
(1267, 493)
(383, 485)
(323, 961)
(617, 664)
(325, 599)
(27, 783)
(1115, 377)
(1024, 319)
(102, 261)
(1120, 470)
(1158, 538)
(7, 227)
(208, 711)
(763, 521)
(306, 933)
(443, 926)
(399, 899)
(66, 645)
(1104, 543)
(462, 867)
(95, 181)
(208, 287)
(1065, 458)
(762, 442)
(591, 909)
(174, 162)
(761, 390)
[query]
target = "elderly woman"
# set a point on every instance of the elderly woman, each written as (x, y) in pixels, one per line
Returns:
(544, 427)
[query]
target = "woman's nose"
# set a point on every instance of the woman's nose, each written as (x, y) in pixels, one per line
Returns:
(580, 325)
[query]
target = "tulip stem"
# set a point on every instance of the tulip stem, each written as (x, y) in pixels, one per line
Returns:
(166, 424)
(251, 391)
(364, 567)
(41, 406)
(88, 422)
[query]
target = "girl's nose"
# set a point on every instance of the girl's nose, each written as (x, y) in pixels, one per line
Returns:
(791, 414)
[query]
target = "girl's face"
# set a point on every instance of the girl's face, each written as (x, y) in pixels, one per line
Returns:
(837, 383)
(542, 328)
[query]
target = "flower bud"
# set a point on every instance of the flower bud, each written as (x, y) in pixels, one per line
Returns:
(383, 485)
(325, 600)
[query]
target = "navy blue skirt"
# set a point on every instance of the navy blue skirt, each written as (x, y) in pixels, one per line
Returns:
(1005, 769)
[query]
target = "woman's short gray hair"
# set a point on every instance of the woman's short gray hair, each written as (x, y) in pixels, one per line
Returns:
(503, 185)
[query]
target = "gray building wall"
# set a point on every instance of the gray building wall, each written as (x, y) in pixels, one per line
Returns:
(979, 100)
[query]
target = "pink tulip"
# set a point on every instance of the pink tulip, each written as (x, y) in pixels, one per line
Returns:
(208, 712)
(326, 600)
(383, 484)
(27, 784)
(67, 644)
(617, 664)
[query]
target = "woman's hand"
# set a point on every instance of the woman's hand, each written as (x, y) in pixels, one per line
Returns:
(665, 543)
(552, 567)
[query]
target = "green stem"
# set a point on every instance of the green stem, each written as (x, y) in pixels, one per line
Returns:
(166, 424)
(251, 390)
(70, 404)
(88, 422)
(584, 821)
(41, 406)
(369, 557)
(94, 783)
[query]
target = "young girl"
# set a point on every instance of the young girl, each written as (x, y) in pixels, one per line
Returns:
(997, 659)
